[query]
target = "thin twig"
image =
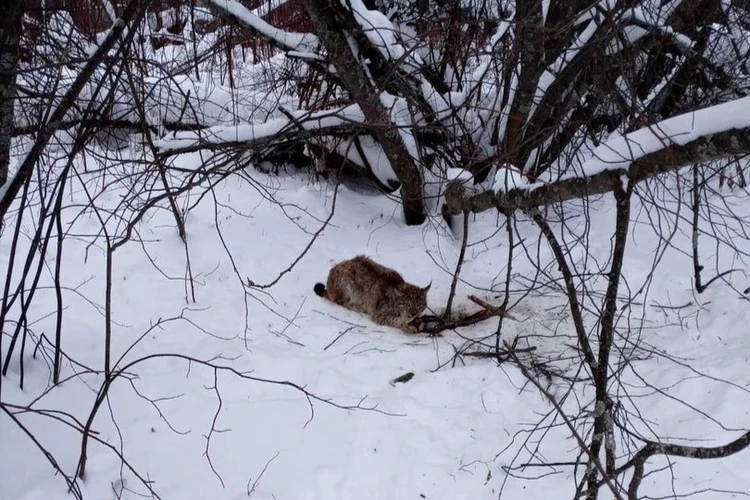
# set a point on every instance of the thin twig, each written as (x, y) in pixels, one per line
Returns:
(459, 264)
(581, 443)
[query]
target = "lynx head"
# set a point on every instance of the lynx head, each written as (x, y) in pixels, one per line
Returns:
(413, 298)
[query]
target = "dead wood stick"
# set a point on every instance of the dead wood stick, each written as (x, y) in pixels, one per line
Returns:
(492, 354)
(491, 309)
(439, 323)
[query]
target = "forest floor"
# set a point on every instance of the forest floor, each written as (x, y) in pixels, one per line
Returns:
(459, 429)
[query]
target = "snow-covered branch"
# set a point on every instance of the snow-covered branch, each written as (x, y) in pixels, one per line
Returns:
(709, 134)
(297, 125)
(243, 17)
(674, 450)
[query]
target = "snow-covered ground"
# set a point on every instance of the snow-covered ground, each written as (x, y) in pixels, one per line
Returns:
(446, 434)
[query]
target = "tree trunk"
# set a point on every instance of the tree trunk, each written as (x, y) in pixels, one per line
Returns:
(330, 29)
(10, 35)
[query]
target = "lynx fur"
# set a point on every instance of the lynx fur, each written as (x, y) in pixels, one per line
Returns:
(363, 285)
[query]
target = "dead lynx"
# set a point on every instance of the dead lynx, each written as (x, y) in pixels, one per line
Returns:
(363, 285)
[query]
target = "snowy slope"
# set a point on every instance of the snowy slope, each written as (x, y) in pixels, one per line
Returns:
(446, 434)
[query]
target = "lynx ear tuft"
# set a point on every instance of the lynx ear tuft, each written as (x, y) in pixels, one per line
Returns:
(427, 287)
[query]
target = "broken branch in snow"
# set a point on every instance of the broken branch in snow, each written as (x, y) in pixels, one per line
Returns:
(674, 450)
(500, 354)
(433, 325)
(338, 337)
(402, 379)
(251, 489)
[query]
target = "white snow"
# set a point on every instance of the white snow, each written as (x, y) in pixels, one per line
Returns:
(453, 174)
(439, 435)
(302, 42)
(4, 187)
(374, 156)
(382, 33)
(110, 10)
(458, 429)
(508, 178)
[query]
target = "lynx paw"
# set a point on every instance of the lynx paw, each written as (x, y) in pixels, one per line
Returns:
(412, 326)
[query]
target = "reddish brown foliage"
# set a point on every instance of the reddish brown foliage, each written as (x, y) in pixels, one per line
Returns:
(90, 17)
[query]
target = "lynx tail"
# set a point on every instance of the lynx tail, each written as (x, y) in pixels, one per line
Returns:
(319, 289)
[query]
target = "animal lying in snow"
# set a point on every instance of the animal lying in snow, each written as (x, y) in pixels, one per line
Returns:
(363, 285)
